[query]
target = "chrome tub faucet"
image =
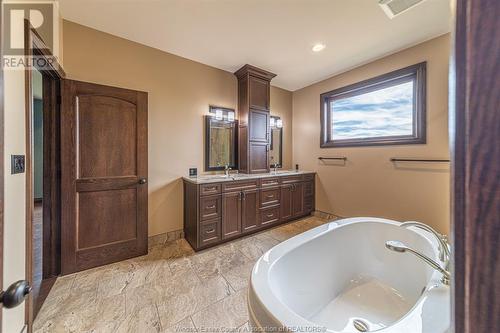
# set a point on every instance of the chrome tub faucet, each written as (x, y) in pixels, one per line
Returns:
(444, 249)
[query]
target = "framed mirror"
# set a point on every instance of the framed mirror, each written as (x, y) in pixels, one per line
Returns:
(221, 139)
(276, 144)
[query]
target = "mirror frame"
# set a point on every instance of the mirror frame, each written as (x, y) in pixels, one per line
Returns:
(208, 119)
(280, 165)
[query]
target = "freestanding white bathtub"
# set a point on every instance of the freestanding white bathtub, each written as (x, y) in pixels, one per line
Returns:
(340, 277)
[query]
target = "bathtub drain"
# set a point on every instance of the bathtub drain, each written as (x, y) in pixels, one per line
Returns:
(360, 325)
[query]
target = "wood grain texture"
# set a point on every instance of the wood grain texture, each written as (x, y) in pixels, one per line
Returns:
(475, 121)
(110, 120)
(104, 157)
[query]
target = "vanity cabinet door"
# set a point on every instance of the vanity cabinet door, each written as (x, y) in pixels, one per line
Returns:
(259, 162)
(231, 214)
(286, 202)
(298, 199)
(259, 93)
(249, 210)
(258, 124)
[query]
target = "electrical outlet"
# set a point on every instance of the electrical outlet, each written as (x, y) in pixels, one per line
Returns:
(16, 164)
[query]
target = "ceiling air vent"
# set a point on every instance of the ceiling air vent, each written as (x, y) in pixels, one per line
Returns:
(393, 8)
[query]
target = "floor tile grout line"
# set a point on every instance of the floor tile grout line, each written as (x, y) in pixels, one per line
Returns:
(159, 317)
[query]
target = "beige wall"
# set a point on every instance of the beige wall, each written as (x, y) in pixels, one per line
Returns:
(180, 92)
(370, 185)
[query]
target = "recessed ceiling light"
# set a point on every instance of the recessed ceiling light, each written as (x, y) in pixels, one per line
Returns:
(318, 47)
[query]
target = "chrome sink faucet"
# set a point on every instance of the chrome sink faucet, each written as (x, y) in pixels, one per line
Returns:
(275, 166)
(400, 247)
(226, 170)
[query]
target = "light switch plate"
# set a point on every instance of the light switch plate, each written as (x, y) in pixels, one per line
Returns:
(16, 164)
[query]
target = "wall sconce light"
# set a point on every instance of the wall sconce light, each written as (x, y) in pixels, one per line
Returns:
(279, 123)
(222, 114)
(272, 122)
(219, 115)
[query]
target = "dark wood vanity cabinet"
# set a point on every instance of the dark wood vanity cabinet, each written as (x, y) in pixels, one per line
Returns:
(254, 87)
(217, 212)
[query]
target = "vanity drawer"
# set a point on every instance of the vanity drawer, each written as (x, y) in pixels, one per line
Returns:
(209, 232)
(210, 207)
(270, 216)
(308, 188)
(266, 182)
(291, 179)
(240, 185)
(308, 177)
(270, 197)
(209, 189)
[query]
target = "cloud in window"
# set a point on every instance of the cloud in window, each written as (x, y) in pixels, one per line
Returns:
(384, 112)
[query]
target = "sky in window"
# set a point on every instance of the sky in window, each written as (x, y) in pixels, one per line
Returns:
(384, 112)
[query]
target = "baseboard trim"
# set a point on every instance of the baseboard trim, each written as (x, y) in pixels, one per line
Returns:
(325, 215)
(165, 237)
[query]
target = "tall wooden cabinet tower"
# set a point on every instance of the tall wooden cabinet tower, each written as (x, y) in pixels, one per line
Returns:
(254, 87)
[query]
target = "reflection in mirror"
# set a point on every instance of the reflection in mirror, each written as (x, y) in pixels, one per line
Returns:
(276, 147)
(220, 140)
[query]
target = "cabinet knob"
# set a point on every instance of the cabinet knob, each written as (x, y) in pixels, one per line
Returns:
(143, 181)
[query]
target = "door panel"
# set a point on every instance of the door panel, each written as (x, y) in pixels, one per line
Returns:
(111, 120)
(259, 93)
(259, 130)
(231, 214)
(103, 173)
(97, 223)
(286, 202)
(298, 199)
(250, 210)
(259, 161)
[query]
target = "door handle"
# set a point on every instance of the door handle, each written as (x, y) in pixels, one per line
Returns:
(15, 294)
(143, 181)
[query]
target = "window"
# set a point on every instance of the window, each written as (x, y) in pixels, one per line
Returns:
(386, 110)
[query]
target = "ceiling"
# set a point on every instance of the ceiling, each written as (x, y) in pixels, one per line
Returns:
(276, 35)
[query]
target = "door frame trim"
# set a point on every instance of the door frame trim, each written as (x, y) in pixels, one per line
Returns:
(2, 161)
(34, 45)
(474, 140)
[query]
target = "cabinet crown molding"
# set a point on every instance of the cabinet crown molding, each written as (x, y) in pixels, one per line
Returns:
(254, 71)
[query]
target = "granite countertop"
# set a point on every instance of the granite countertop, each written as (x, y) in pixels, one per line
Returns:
(219, 178)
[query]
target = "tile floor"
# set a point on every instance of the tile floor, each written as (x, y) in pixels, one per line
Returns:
(171, 289)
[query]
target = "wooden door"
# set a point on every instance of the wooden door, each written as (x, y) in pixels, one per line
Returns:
(231, 214)
(298, 199)
(250, 210)
(103, 174)
(286, 202)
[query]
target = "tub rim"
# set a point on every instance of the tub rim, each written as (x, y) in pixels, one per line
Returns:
(260, 291)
